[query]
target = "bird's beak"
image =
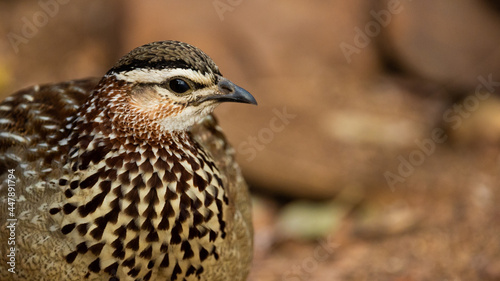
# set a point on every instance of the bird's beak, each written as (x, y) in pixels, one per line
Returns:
(230, 92)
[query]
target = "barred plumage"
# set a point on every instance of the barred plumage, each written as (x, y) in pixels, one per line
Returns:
(129, 177)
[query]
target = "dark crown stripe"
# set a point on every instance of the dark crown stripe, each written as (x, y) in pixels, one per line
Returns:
(159, 65)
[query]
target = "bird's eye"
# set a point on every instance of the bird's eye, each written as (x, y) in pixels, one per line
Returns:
(179, 86)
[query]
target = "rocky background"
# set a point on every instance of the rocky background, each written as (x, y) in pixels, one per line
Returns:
(374, 153)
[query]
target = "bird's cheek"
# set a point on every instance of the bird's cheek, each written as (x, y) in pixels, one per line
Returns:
(164, 111)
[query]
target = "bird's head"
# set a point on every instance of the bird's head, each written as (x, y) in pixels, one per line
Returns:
(166, 86)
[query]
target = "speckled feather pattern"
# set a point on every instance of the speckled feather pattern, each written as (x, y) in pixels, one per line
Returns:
(104, 198)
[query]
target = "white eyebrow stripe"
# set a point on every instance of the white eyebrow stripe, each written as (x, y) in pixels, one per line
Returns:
(143, 75)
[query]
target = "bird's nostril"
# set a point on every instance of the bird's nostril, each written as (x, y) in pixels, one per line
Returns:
(226, 86)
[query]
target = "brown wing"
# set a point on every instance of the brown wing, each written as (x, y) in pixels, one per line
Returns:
(32, 121)
(31, 125)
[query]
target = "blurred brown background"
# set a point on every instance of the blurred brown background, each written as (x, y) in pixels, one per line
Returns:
(374, 151)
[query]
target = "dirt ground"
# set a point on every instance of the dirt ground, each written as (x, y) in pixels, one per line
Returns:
(442, 224)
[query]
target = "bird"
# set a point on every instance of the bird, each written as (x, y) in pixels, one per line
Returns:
(126, 177)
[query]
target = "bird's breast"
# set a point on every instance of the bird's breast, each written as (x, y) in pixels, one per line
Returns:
(138, 210)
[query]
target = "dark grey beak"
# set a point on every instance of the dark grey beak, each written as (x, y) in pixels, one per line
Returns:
(231, 92)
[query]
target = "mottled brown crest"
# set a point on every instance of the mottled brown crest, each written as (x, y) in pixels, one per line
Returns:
(167, 54)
